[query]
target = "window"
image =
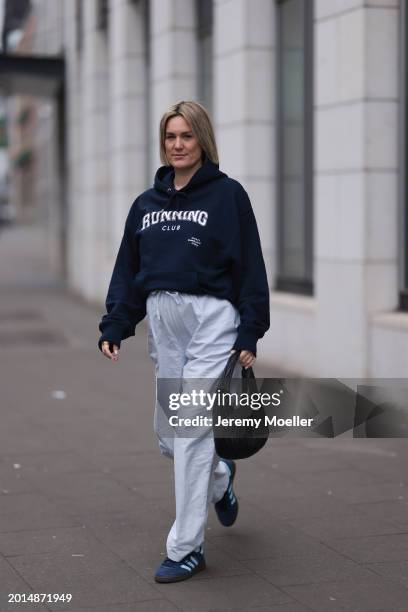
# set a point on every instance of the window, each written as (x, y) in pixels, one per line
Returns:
(102, 15)
(146, 12)
(204, 10)
(403, 185)
(294, 89)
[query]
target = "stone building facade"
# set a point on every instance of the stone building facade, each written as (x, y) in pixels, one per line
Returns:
(308, 102)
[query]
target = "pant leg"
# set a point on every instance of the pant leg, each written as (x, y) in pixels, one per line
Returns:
(200, 478)
(167, 341)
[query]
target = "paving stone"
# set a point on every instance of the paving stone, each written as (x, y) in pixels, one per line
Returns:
(22, 607)
(11, 581)
(304, 461)
(27, 437)
(50, 462)
(281, 486)
(372, 549)
(372, 492)
(43, 541)
(30, 511)
(395, 512)
(391, 465)
(74, 541)
(340, 478)
(357, 449)
(157, 605)
(108, 441)
(396, 571)
(368, 595)
(142, 551)
(94, 579)
(12, 481)
(157, 492)
(247, 591)
(335, 527)
(136, 460)
(145, 515)
(286, 607)
(78, 486)
(144, 476)
(327, 566)
(319, 505)
(12, 607)
(98, 504)
(255, 543)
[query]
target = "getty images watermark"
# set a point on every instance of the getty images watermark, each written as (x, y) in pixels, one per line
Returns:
(306, 407)
(252, 401)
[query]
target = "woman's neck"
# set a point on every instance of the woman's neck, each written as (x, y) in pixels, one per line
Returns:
(182, 178)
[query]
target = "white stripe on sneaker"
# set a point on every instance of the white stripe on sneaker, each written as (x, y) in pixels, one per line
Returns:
(186, 567)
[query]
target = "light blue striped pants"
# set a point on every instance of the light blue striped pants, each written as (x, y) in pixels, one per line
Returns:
(190, 337)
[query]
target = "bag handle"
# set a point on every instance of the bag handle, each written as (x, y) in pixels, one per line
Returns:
(230, 367)
(249, 381)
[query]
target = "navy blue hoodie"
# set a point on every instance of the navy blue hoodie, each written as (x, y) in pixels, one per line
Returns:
(200, 239)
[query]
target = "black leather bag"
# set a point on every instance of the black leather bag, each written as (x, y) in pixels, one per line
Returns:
(237, 441)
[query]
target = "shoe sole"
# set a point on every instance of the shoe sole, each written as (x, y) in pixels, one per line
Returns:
(168, 579)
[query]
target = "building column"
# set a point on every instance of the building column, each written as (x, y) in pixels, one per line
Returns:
(128, 106)
(174, 61)
(244, 108)
(75, 243)
(94, 220)
(356, 123)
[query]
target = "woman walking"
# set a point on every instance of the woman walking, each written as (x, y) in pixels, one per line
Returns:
(191, 259)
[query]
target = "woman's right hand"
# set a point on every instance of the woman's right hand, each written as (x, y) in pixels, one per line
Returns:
(105, 350)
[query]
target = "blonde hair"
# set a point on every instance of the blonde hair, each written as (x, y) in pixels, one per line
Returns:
(197, 117)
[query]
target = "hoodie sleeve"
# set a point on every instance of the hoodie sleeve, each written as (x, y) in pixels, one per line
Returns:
(125, 306)
(253, 298)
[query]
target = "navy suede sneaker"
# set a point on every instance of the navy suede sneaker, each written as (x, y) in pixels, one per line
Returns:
(175, 571)
(227, 507)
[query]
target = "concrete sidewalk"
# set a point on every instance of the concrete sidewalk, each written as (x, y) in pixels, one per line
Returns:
(86, 499)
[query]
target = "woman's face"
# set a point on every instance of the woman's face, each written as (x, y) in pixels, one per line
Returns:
(182, 148)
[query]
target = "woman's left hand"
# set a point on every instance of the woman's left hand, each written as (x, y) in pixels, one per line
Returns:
(246, 358)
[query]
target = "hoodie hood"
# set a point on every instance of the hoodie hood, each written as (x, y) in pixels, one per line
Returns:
(208, 171)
